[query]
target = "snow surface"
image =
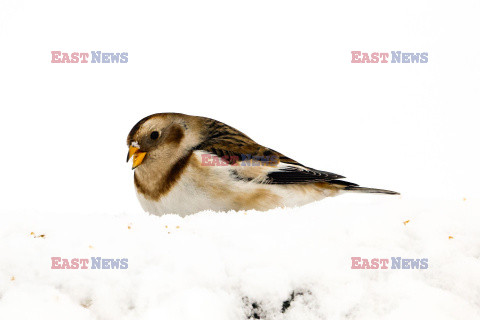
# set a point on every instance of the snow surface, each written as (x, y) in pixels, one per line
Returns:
(406, 127)
(248, 264)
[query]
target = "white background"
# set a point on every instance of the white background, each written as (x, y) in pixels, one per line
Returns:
(281, 72)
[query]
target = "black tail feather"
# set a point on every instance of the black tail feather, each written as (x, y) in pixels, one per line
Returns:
(350, 186)
(369, 190)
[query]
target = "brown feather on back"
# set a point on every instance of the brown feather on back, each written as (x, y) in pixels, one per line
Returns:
(224, 140)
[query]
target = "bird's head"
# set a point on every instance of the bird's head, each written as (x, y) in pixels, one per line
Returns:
(161, 137)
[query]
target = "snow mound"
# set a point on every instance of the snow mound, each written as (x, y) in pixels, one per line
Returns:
(281, 264)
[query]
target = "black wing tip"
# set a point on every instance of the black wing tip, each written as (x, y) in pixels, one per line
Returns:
(343, 183)
(300, 175)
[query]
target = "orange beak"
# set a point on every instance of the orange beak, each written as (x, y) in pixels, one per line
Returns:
(137, 156)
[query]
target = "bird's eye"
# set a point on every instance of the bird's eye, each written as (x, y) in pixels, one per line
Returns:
(154, 135)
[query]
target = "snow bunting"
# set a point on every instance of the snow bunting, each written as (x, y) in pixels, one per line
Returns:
(185, 164)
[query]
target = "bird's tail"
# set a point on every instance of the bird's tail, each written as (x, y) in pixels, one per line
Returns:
(369, 190)
(353, 187)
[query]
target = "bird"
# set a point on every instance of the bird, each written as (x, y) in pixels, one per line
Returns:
(185, 164)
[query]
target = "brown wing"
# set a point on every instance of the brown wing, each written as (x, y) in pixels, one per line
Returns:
(222, 140)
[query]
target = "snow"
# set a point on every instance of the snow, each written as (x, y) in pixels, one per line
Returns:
(218, 265)
(135, 144)
(282, 74)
